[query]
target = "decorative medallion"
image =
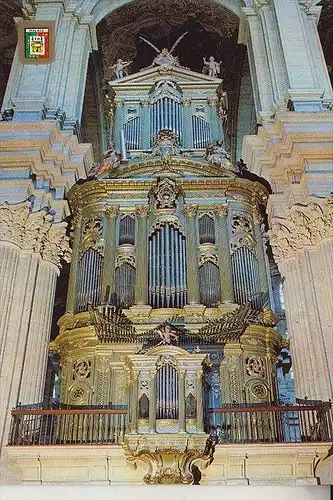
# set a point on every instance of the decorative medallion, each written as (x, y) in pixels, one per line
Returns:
(255, 366)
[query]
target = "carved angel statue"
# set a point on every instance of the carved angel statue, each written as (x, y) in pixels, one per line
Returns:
(211, 66)
(111, 160)
(165, 59)
(216, 154)
(119, 68)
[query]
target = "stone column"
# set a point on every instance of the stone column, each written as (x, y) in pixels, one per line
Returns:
(223, 252)
(141, 279)
(200, 420)
(37, 346)
(152, 401)
(261, 81)
(260, 252)
(181, 390)
(302, 244)
(39, 244)
(8, 268)
(275, 58)
(71, 293)
(61, 84)
(193, 297)
(305, 88)
(110, 247)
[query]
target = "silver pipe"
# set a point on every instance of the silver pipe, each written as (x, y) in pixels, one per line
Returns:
(163, 265)
(158, 268)
(175, 255)
(123, 145)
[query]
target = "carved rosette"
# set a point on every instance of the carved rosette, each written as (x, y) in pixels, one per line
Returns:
(170, 465)
(303, 226)
(190, 211)
(35, 231)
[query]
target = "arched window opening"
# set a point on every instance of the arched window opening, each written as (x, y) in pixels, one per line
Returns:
(190, 406)
(144, 406)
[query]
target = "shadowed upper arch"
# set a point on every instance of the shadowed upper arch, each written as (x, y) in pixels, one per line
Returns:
(101, 8)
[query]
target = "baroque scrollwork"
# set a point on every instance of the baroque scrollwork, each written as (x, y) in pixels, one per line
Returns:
(304, 225)
(166, 193)
(170, 465)
(35, 231)
(255, 366)
(241, 233)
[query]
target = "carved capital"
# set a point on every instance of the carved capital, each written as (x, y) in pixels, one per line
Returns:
(142, 211)
(112, 211)
(190, 211)
(304, 225)
(34, 231)
(221, 210)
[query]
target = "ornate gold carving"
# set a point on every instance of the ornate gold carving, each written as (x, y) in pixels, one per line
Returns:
(190, 211)
(170, 465)
(241, 233)
(303, 226)
(208, 257)
(112, 211)
(166, 193)
(221, 210)
(81, 368)
(255, 366)
(259, 390)
(35, 231)
(142, 211)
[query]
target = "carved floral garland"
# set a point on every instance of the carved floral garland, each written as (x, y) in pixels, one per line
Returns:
(305, 225)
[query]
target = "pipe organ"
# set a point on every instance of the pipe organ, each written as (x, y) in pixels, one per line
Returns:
(167, 269)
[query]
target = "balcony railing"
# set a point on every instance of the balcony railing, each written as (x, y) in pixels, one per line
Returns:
(247, 423)
(255, 423)
(67, 426)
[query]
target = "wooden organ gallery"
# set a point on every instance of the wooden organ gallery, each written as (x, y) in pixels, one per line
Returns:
(169, 302)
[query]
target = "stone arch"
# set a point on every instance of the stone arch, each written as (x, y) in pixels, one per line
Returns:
(101, 8)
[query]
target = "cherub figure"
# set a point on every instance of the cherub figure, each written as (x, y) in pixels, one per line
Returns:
(119, 68)
(211, 66)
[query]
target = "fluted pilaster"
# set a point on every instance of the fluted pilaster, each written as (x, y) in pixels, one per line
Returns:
(109, 252)
(302, 244)
(200, 421)
(141, 281)
(223, 252)
(193, 296)
(33, 248)
(181, 389)
(71, 293)
(152, 401)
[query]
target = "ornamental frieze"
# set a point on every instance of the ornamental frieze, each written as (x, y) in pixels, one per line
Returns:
(35, 231)
(304, 225)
